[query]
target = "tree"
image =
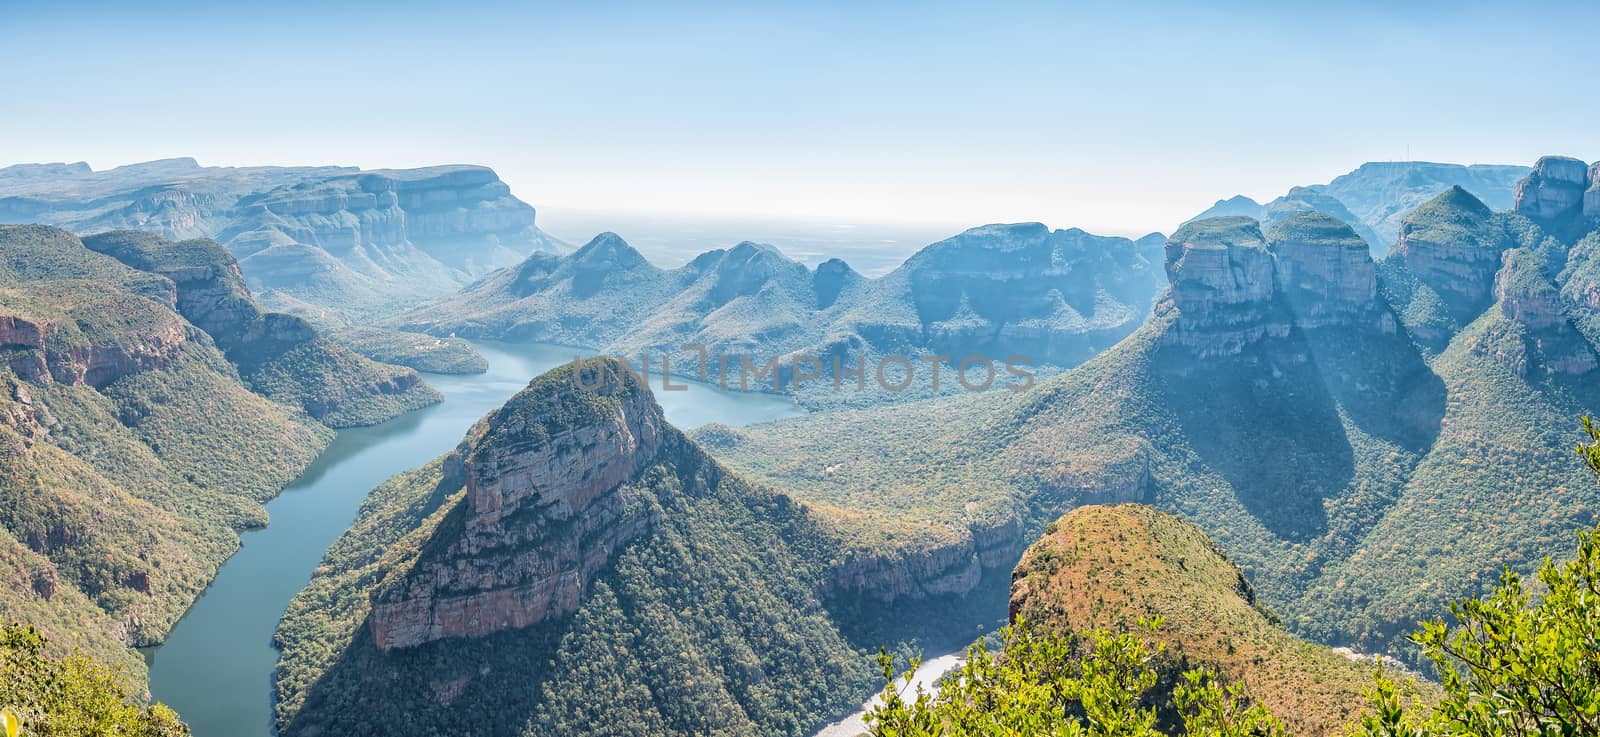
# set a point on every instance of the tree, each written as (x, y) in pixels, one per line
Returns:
(75, 696)
(1512, 665)
(1049, 685)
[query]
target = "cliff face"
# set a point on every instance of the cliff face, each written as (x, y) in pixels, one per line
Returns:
(543, 512)
(70, 334)
(1453, 245)
(1528, 297)
(1222, 286)
(1557, 186)
(335, 239)
(282, 356)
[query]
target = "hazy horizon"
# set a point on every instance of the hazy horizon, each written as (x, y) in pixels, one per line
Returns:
(1115, 121)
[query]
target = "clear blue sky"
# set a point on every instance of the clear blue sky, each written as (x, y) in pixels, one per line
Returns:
(1113, 117)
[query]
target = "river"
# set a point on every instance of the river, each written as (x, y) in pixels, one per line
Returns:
(216, 666)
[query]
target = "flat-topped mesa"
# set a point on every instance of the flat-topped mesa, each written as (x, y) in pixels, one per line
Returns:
(1325, 272)
(1557, 185)
(546, 504)
(1453, 244)
(1222, 286)
(1529, 298)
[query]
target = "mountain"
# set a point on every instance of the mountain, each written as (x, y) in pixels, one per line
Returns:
(328, 242)
(1056, 297)
(1366, 440)
(1377, 196)
(280, 356)
(1108, 566)
(132, 451)
(574, 544)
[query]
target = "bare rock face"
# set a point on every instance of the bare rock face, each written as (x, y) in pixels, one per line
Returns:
(1222, 286)
(97, 337)
(1556, 186)
(546, 504)
(1325, 272)
(1591, 198)
(1528, 297)
(1453, 245)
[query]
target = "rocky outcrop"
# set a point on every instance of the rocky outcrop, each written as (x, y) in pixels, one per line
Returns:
(97, 337)
(545, 507)
(281, 355)
(1527, 297)
(1325, 272)
(1591, 198)
(1557, 185)
(1222, 286)
(1453, 245)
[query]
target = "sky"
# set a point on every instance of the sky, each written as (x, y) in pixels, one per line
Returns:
(1119, 118)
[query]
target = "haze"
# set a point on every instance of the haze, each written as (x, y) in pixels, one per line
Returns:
(1117, 122)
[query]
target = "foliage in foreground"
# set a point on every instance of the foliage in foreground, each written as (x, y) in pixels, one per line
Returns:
(1065, 686)
(1510, 666)
(72, 696)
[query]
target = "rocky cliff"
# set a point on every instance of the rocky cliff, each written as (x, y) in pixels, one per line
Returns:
(1325, 272)
(332, 241)
(1528, 297)
(70, 333)
(1453, 245)
(574, 539)
(544, 509)
(282, 356)
(1556, 187)
(1222, 286)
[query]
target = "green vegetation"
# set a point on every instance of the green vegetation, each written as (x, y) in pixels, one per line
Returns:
(280, 356)
(73, 696)
(1109, 567)
(338, 387)
(1097, 685)
(130, 456)
(1512, 663)
(1516, 661)
(1221, 232)
(31, 253)
(415, 350)
(710, 622)
(1358, 480)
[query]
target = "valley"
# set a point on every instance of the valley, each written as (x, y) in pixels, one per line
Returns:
(216, 665)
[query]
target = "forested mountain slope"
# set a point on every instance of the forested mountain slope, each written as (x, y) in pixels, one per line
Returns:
(1366, 442)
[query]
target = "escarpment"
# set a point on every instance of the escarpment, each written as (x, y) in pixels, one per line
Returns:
(544, 509)
(281, 356)
(1233, 286)
(73, 334)
(1559, 185)
(333, 241)
(1530, 299)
